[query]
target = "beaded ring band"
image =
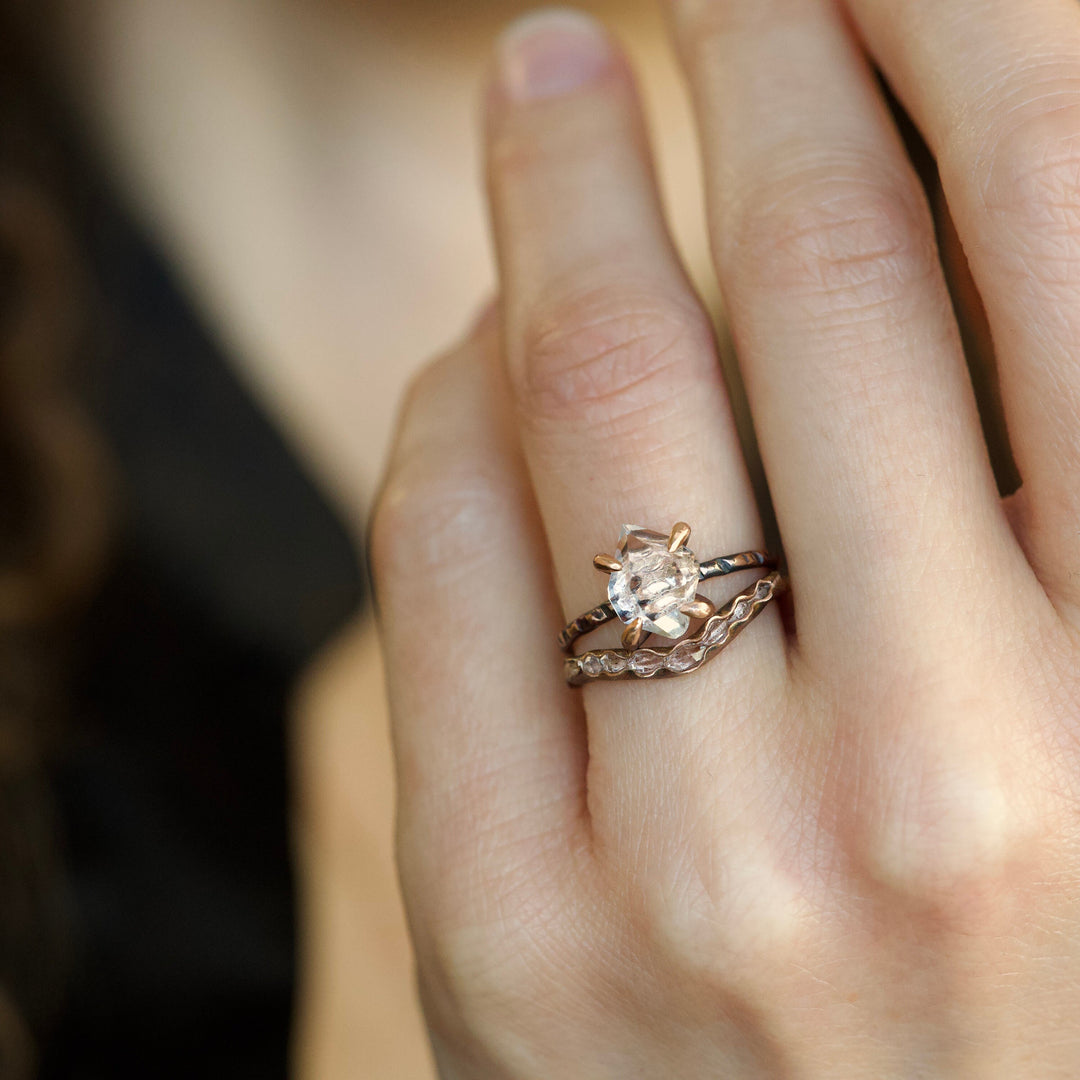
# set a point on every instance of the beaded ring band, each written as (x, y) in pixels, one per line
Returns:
(688, 655)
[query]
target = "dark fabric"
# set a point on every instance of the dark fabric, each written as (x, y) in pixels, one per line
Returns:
(230, 571)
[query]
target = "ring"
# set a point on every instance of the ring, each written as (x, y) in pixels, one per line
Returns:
(652, 589)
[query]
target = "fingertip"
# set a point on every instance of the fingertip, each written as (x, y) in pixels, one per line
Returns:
(550, 53)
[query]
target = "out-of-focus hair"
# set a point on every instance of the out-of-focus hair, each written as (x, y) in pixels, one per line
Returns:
(53, 514)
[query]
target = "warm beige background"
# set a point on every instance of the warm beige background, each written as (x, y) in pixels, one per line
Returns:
(313, 170)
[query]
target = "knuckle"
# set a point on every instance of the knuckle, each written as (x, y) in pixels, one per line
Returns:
(603, 356)
(713, 920)
(726, 934)
(427, 388)
(1031, 169)
(473, 994)
(482, 978)
(436, 483)
(942, 828)
(841, 244)
(424, 385)
(945, 857)
(714, 941)
(428, 505)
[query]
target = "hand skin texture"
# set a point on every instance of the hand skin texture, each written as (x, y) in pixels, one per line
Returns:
(848, 847)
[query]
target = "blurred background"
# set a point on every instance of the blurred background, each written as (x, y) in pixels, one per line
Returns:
(230, 232)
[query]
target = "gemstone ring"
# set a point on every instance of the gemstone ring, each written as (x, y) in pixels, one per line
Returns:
(652, 589)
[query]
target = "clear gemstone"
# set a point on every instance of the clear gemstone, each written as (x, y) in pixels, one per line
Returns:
(716, 633)
(653, 582)
(614, 664)
(763, 590)
(645, 662)
(683, 657)
(590, 664)
(741, 610)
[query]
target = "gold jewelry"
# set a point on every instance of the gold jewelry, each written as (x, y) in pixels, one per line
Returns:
(652, 589)
(689, 654)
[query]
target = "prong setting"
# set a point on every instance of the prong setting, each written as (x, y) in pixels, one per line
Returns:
(700, 608)
(654, 581)
(680, 533)
(607, 564)
(634, 634)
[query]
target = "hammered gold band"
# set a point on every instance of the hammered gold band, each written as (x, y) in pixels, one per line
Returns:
(714, 568)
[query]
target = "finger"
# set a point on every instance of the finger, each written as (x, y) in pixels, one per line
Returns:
(996, 91)
(623, 412)
(849, 349)
(487, 742)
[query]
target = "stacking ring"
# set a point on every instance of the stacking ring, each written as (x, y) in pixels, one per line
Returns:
(652, 589)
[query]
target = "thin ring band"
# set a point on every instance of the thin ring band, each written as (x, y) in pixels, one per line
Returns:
(689, 654)
(605, 613)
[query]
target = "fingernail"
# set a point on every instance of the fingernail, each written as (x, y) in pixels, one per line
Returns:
(551, 52)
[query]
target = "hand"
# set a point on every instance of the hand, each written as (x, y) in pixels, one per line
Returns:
(848, 846)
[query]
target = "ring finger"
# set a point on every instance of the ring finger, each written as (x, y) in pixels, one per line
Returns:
(623, 412)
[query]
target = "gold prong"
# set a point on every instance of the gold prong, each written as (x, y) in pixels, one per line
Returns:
(680, 533)
(608, 563)
(701, 608)
(634, 635)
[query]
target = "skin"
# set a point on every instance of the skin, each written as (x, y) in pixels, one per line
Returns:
(848, 847)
